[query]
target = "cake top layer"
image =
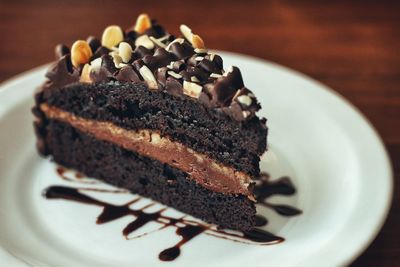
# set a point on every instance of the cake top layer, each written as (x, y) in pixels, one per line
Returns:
(147, 53)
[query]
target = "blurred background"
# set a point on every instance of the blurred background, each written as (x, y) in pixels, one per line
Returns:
(352, 46)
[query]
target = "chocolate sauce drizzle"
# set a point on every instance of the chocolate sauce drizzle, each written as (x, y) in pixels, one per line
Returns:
(187, 229)
(265, 188)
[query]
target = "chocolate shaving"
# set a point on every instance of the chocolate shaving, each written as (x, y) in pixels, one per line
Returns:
(93, 42)
(173, 87)
(226, 87)
(160, 58)
(181, 51)
(61, 50)
(61, 74)
(127, 74)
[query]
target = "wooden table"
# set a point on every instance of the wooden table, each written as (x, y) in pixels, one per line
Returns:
(353, 48)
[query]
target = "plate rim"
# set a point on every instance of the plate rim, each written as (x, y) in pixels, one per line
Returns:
(378, 223)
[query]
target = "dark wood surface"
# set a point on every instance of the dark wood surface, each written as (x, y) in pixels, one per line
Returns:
(352, 47)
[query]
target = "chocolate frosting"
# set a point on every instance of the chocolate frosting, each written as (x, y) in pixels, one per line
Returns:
(172, 62)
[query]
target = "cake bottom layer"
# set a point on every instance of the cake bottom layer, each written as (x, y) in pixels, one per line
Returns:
(145, 176)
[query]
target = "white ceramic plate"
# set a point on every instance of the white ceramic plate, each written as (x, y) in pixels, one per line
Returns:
(334, 156)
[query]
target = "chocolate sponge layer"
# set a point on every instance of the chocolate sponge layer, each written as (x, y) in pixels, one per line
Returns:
(134, 106)
(126, 169)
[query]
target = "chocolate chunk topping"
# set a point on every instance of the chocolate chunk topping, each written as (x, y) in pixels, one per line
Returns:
(161, 58)
(216, 59)
(173, 65)
(61, 73)
(181, 51)
(108, 63)
(137, 64)
(156, 30)
(161, 76)
(226, 87)
(209, 66)
(191, 71)
(131, 35)
(173, 86)
(93, 42)
(106, 70)
(100, 52)
(61, 50)
(127, 74)
(178, 66)
(142, 51)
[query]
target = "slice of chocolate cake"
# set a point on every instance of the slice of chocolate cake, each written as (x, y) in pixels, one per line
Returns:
(157, 115)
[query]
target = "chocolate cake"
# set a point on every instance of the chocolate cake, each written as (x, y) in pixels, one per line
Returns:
(158, 115)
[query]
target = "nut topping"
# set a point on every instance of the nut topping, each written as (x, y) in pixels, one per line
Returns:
(85, 75)
(244, 99)
(157, 42)
(186, 32)
(149, 54)
(174, 74)
(117, 59)
(215, 75)
(194, 79)
(143, 23)
(191, 89)
(80, 53)
(148, 77)
(197, 42)
(125, 51)
(112, 36)
(144, 41)
(96, 64)
(194, 39)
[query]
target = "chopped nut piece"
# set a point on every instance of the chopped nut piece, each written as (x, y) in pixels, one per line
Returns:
(194, 39)
(174, 74)
(96, 64)
(116, 59)
(157, 42)
(171, 65)
(186, 32)
(145, 41)
(165, 37)
(212, 57)
(80, 53)
(85, 75)
(246, 113)
(245, 100)
(125, 51)
(229, 70)
(191, 89)
(148, 77)
(112, 36)
(215, 75)
(143, 23)
(194, 79)
(200, 50)
(197, 42)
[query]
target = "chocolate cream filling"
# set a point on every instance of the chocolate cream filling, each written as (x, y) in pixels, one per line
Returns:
(199, 167)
